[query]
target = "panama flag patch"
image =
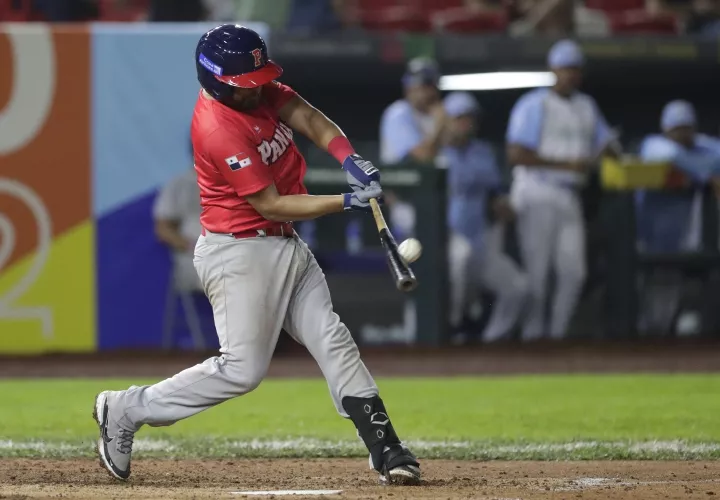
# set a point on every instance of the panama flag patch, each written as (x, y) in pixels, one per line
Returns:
(240, 160)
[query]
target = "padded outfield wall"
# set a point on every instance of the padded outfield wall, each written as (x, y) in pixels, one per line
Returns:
(93, 119)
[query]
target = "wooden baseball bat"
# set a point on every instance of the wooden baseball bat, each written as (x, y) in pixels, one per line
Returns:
(404, 277)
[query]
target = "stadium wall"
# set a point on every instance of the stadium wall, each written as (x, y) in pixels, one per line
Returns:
(90, 122)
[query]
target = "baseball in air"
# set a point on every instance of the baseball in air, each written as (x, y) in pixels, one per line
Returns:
(410, 250)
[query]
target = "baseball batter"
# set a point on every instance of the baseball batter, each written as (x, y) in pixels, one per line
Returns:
(554, 137)
(259, 275)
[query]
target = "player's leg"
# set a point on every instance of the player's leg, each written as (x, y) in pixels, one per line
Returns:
(245, 281)
(311, 321)
(570, 269)
(536, 238)
(459, 253)
(504, 278)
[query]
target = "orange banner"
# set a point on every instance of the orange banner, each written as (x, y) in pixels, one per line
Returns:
(46, 237)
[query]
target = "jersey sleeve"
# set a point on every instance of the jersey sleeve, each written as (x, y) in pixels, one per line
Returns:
(698, 165)
(277, 94)
(656, 148)
(238, 162)
(399, 134)
(525, 125)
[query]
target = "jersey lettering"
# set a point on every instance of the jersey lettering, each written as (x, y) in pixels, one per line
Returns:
(271, 151)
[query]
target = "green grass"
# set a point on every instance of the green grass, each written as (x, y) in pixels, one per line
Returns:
(542, 417)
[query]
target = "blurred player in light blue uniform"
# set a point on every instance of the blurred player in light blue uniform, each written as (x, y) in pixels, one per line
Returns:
(476, 257)
(554, 137)
(412, 129)
(669, 222)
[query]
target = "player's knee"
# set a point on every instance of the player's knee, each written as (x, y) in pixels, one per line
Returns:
(245, 377)
(520, 287)
(535, 293)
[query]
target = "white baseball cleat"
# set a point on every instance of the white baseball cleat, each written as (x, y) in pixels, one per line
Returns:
(400, 467)
(114, 446)
(404, 475)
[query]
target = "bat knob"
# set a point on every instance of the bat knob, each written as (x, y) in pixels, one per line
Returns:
(406, 284)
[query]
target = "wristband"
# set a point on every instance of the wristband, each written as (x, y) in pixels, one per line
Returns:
(340, 148)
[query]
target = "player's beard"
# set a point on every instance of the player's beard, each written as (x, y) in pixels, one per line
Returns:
(246, 102)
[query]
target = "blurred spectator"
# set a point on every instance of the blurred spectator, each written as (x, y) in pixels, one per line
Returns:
(668, 222)
(176, 11)
(476, 215)
(319, 16)
(67, 10)
(704, 18)
(412, 128)
(672, 222)
(555, 137)
(177, 225)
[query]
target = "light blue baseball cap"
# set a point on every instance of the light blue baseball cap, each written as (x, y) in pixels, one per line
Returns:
(565, 54)
(460, 103)
(677, 113)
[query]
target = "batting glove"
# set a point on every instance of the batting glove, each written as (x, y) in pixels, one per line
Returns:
(360, 172)
(360, 199)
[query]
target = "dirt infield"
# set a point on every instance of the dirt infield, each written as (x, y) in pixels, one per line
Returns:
(659, 356)
(153, 479)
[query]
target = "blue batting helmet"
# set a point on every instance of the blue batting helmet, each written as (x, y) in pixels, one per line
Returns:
(231, 55)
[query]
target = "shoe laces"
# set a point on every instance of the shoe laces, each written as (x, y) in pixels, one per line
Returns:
(125, 441)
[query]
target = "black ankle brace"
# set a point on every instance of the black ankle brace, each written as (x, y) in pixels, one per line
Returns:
(373, 425)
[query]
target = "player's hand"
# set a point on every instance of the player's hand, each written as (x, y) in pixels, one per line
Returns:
(437, 111)
(360, 199)
(360, 172)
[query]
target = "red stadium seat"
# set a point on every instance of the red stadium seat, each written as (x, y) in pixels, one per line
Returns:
(640, 22)
(615, 5)
(463, 21)
(112, 11)
(16, 11)
(396, 19)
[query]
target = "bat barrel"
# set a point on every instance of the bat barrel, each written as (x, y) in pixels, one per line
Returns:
(405, 280)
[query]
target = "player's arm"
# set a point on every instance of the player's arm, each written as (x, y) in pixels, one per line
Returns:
(311, 122)
(167, 217)
(605, 142)
(272, 206)
(168, 232)
(243, 168)
(326, 135)
(401, 138)
(428, 148)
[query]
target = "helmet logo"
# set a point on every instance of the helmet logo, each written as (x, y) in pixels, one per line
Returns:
(257, 54)
(211, 66)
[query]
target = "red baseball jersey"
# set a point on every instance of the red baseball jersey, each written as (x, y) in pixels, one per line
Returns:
(240, 153)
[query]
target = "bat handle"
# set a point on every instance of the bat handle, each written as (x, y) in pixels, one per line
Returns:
(377, 214)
